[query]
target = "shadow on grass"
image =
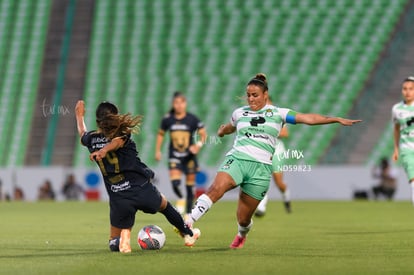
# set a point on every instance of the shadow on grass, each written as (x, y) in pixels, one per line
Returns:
(186, 250)
(55, 252)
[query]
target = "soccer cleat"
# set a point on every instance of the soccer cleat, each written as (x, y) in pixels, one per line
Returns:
(114, 244)
(190, 240)
(287, 207)
(259, 213)
(238, 242)
(125, 241)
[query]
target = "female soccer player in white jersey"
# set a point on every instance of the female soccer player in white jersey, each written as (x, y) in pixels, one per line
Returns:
(403, 118)
(249, 163)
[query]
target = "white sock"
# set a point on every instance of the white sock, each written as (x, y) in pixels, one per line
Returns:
(286, 195)
(262, 205)
(412, 191)
(201, 206)
(243, 230)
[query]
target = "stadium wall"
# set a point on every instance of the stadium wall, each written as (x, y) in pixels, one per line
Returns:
(312, 183)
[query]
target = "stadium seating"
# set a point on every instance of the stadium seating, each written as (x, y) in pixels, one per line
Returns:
(384, 146)
(23, 26)
(316, 54)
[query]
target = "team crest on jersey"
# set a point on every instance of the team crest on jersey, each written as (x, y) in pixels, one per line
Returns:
(269, 113)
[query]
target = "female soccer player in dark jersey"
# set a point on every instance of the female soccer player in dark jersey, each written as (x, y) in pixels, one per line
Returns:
(183, 127)
(128, 180)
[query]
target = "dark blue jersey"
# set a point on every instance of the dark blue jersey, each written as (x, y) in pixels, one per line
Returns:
(182, 132)
(122, 169)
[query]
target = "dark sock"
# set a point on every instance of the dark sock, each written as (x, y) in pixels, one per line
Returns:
(175, 219)
(190, 198)
(176, 188)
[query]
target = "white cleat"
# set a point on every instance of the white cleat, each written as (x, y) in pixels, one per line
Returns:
(190, 240)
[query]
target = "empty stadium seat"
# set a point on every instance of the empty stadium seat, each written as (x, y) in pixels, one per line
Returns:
(23, 26)
(316, 54)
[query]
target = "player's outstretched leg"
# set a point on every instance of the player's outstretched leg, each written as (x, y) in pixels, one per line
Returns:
(189, 234)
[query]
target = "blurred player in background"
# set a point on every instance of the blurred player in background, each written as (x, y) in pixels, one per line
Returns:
(184, 128)
(249, 163)
(387, 176)
(128, 180)
(277, 174)
(403, 118)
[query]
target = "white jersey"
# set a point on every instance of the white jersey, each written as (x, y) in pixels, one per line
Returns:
(403, 115)
(257, 131)
(280, 147)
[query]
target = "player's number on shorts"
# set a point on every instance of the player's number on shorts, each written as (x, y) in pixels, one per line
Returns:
(112, 158)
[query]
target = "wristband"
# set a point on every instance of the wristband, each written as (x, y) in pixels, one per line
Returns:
(199, 143)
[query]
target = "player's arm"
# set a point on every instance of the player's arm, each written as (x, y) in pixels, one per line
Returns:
(317, 119)
(203, 135)
(195, 148)
(114, 145)
(80, 114)
(396, 133)
(226, 129)
(158, 144)
(284, 133)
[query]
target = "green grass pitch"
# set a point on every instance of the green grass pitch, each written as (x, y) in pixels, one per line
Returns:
(317, 238)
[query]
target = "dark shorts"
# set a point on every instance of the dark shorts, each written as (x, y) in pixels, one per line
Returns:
(187, 165)
(146, 198)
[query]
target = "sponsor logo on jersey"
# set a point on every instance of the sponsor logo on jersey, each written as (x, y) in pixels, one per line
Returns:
(254, 129)
(250, 135)
(100, 140)
(120, 187)
(175, 127)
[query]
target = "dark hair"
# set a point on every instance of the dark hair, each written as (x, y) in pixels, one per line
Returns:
(409, 78)
(105, 108)
(259, 80)
(112, 124)
(384, 162)
(176, 95)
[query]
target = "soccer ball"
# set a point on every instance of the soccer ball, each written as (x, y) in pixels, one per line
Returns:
(151, 237)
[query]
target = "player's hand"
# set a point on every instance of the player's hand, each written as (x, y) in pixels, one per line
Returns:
(97, 155)
(348, 122)
(158, 156)
(80, 108)
(220, 131)
(395, 155)
(194, 149)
